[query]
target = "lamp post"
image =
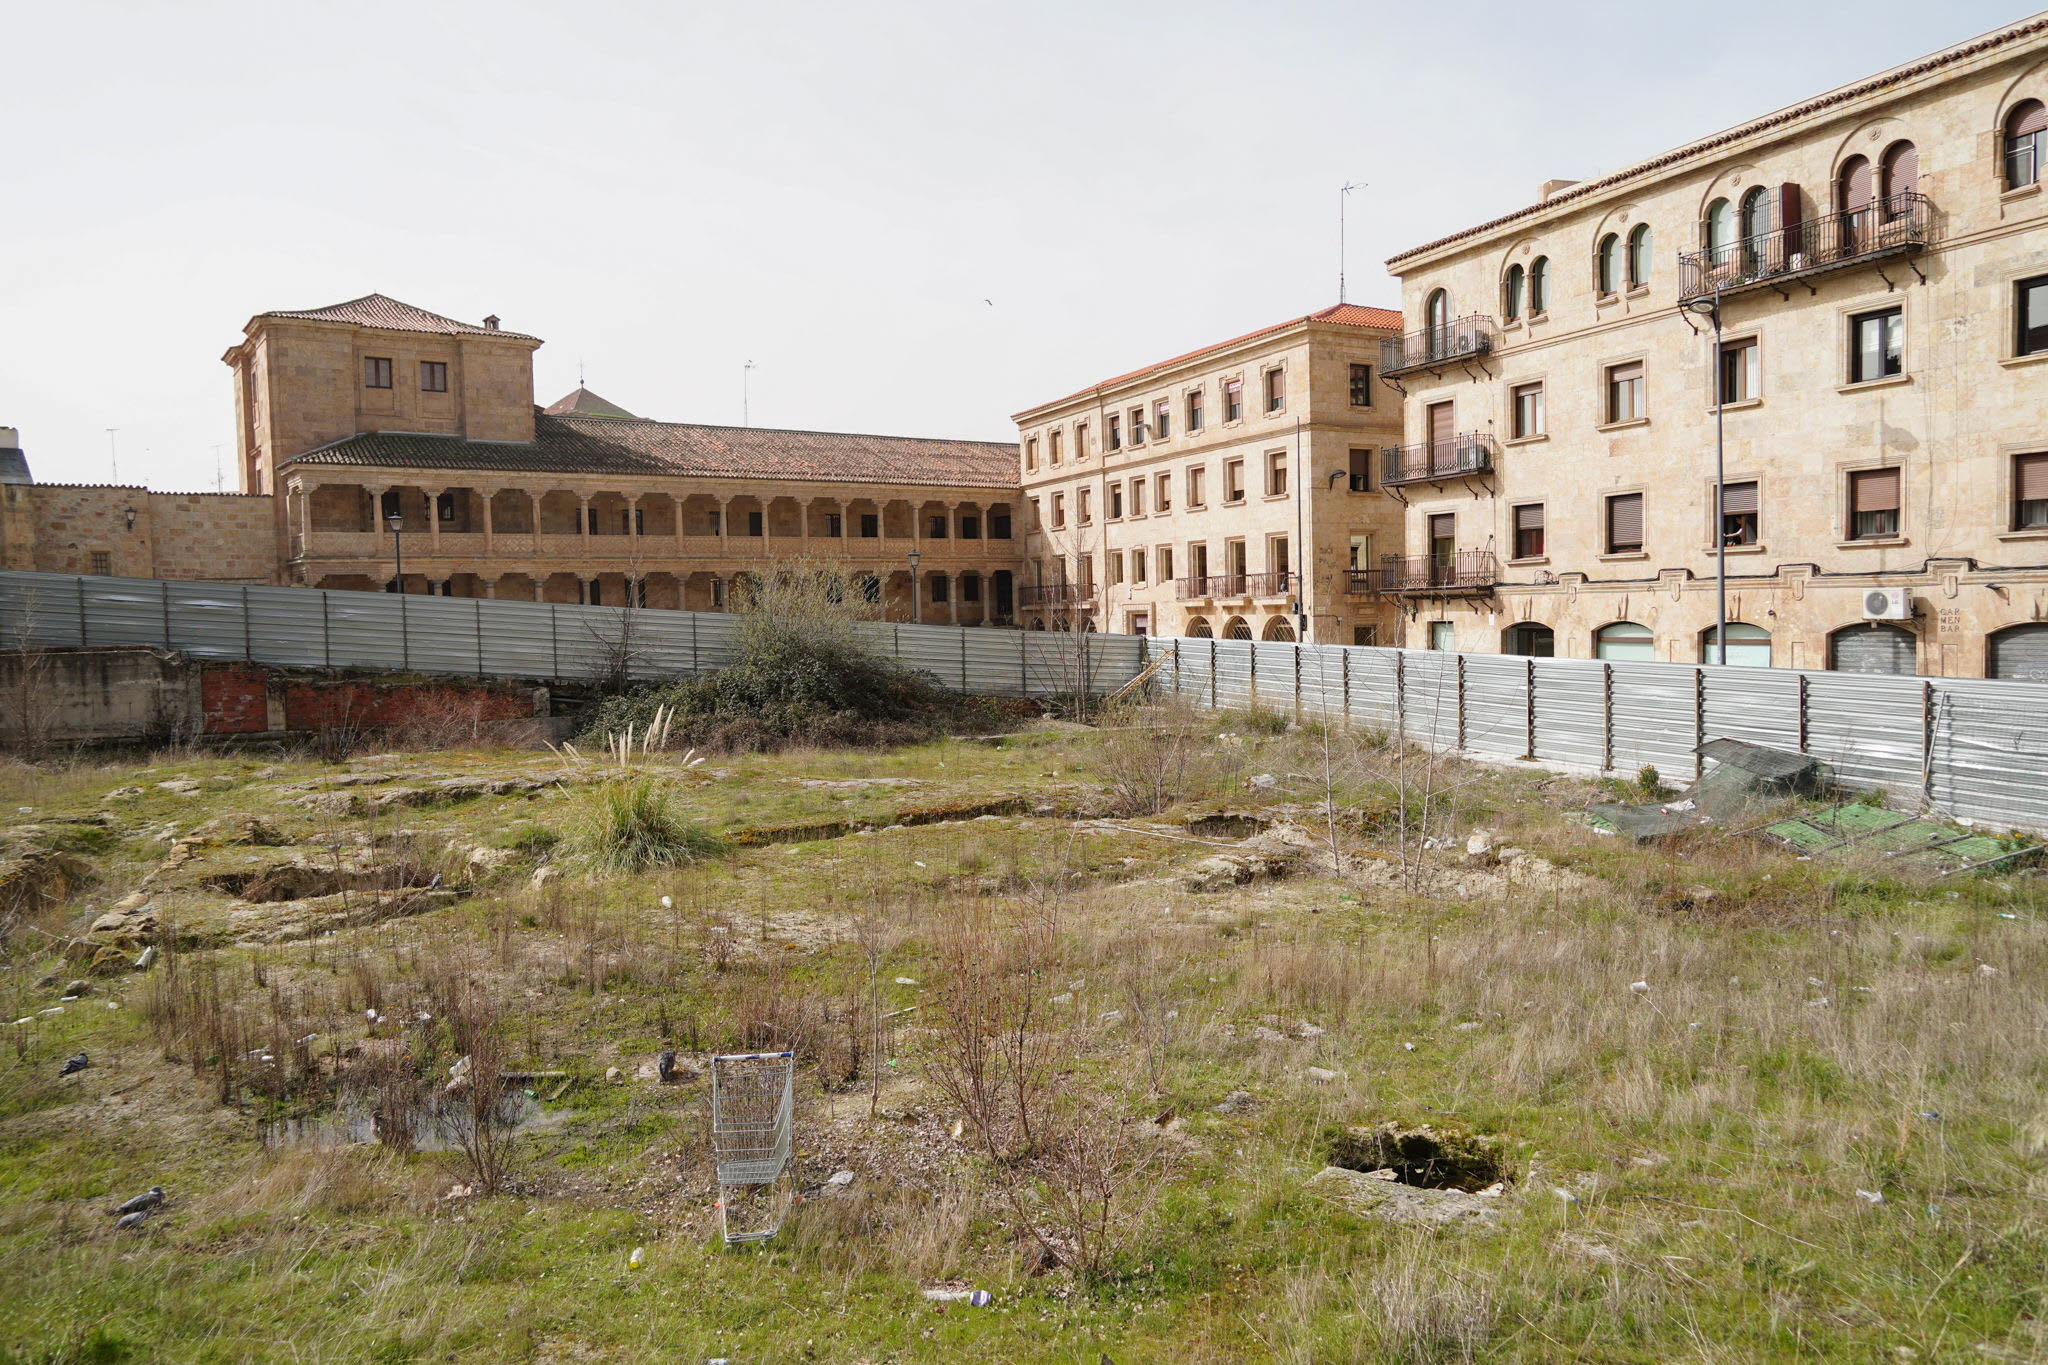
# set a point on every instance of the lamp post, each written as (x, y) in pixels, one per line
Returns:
(397, 524)
(1711, 308)
(916, 602)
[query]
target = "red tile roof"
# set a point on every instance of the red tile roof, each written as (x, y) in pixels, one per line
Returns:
(378, 310)
(637, 446)
(584, 403)
(1882, 81)
(1342, 314)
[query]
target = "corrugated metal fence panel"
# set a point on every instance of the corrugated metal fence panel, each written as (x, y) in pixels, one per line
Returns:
(1373, 703)
(660, 644)
(934, 650)
(1275, 674)
(285, 628)
(587, 640)
(1496, 705)
(1115, 660)
(1866, 727)
(1759, 705)
(512, 645)
(1430, 693)
(206, 620)
(995, 661)
(1654, 721)
(1322, 681)
(1186, 675)
(1991, 751)
(1234, 681)
(123, 611)
(1571, 712)
(443, 634)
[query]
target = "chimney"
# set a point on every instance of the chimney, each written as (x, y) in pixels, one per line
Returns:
(491, 322)
(1551, 187)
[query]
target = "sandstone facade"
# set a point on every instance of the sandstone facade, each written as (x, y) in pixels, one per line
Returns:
(132, 532)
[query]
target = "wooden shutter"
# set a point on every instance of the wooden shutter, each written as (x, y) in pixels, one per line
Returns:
(1875, 490)
(1529, 517)
(2030, 478)
(1442, 526)
(1856, 187)
(1901, 169)
(2031, 117)
(1440, 424)
(1738, 499)
(1625, 520)
(1789, 213)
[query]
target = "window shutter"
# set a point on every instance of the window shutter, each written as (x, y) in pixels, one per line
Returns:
(2030, 478)
(1738, 499)
(1625, 519)
(1856, 184)
(1789, 214)
(1622, 373)
(2031, 117)
(1901, 169)
(1440, 423)
(1529, 517)
(1877, 490)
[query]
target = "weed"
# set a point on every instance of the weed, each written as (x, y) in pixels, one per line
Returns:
(635, 823)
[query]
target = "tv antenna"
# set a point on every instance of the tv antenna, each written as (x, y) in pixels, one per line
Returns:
(1343, 203)
(113, 460)
(746, 394)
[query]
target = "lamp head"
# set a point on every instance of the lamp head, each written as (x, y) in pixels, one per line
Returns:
(129, 512)
(1706, 307)
(395, 522)
(915, 556)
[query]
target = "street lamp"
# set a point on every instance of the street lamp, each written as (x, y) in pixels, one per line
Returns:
(1711, 308)
(916, 602)
(129, 512)
(397, 524)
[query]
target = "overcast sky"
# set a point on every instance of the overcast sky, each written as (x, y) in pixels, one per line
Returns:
(915, 218)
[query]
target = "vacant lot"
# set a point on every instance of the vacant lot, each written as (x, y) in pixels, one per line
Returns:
(1077, 1042)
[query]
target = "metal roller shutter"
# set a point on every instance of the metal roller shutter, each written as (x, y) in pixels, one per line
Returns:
(1874, 648)
(2020, 653)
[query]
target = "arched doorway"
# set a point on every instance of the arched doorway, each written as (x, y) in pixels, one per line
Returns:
(1873, 647)
(2018, 652)
(1748, 646)
(1531, 639)
(1236, 629)
(1198, 628)
(1624, 642)
(1279, 628)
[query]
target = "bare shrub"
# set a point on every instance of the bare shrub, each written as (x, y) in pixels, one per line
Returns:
(1155, 755)
(478, 1116)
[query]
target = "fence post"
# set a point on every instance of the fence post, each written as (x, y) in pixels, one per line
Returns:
(1529, 718)
(555, 639)
(1927, 743)
(405, 634)
(1251, 654)
(479, 637)
(79, 583)
(1298, 709)
(1345, 656)
(696, 655)
(1212, 673)
(1176, 668)
(1400, 696)
(1461, 700)
(1606, 717)
(1804, 682)
(1699, 718)
(248, 639)
(326, 632)
(167, 613)
(1023, 667)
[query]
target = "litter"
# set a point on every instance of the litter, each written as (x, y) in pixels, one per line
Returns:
(752, 1102)
(1743, 777)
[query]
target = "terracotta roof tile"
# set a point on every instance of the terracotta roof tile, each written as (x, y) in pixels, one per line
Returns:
(609, 445)
(378, 310)
(584, 403)
(1343, 314)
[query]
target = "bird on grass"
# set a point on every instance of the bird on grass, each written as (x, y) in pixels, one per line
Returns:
(151, 1198)
(132, 1220)
(74, 1064)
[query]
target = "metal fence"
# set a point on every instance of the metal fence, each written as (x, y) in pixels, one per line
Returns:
(1970, 747)
(484, 637)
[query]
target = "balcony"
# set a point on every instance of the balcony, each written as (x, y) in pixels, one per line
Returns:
(1430, 461)
(1897, 226)
(1234, 585)
(1463, 572)
(1055, 594)
(1358, 582)
(1466, 338)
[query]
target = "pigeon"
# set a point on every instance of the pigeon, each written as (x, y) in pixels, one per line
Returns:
(152, 1198)
(74, 1064)
(665, 1066)
(132, 1220)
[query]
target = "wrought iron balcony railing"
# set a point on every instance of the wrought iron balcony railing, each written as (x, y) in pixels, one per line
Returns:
(1268, 584)
(1465, 338)
(1234, 585)
(1054, 594)
(1453, 458)
(1890, 227)
(1463, 571)
(1356, 582)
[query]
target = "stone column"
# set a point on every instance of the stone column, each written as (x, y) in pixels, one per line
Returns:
(583, 514)
(489, 527)
(533, 513)
(724, 524)
(433, 497)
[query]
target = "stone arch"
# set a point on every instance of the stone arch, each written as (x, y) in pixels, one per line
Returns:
(1237, 628)
(1278, 628)
(1197, 628)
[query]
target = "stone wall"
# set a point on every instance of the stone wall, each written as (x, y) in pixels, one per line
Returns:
(85, 529)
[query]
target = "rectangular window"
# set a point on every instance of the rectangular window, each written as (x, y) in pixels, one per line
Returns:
(1276, 390)
(1361, 386)
(1080, 440)
(1276, 473)
(1138, 434)
(1164, 491)
(1162, 419)
(1276, 556)
(835, 525)
(1873, 504)
(1164, 558)
(1031, 453)
(1116, 567)
(1116, 435)
(1738, 372)
(754, 524)
(1360, 470)
(433, 376)
(103, 562)
(1361, 553)
(1625, 392)
(1365, 635)
(1137, 566)
(1198, 476)
(376, 372)
(2032, 305)
(1198, 559)
(1877, 345)
(1084, 511)
(1625, 524)
(1529, 531)
(938, 581)
(870, 525)
(999, 523)
(1059, 511)
(935, 526)
(1528, 418)
(1233, 399)
(2030, 492)
(1116, 501)
(1052, 444)
(970, 528)
(1740, 511)
(1137, 497)
(1233, 480)
(1195, 411)
(970, 587)
(1443, 636)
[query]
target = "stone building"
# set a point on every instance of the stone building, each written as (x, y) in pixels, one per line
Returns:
(1227, 492)
(372, 414)
(1879, 256)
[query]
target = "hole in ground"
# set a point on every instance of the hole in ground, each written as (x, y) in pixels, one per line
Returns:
(1228, 825)
(1430, 1158)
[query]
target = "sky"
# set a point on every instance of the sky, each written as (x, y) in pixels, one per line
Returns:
(913, 218)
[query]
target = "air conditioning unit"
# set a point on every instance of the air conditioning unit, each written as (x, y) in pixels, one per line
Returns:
(1887, 604)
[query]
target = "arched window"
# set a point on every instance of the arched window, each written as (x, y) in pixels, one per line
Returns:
(1511, 293)
(1198, 628)
(1280, 628)
(2026, 143)
(1436, 316)
(1874, 647)
(1531, 639)
(1719, 230)
(1756, 217)
(1607, 266)
(1854, 185)
(1639, 255)
(1236, 629)
(1624, 640)
(1900, 173)
(1748, 646)
(1539, 285)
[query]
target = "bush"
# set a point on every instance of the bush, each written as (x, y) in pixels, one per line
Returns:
(635, 824)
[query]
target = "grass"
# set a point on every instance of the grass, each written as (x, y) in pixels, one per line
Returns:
(635, 823)
(1809, 1029)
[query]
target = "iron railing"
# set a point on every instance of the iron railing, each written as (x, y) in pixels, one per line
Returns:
(1463, 338)
(1460, 572)
(1054, 594)
(1234, 585)
(1354, 582)
(1889, 227)
(1452, 458)
(1268, 584)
